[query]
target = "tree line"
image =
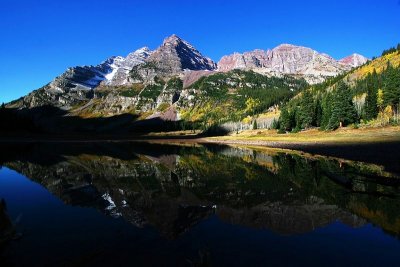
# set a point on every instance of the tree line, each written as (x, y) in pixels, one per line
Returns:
(391, 50)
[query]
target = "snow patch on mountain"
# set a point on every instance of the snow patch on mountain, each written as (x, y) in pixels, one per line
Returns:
(120, 72)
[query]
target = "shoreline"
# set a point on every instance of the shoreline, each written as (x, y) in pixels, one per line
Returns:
(384, 153)
(379, 146)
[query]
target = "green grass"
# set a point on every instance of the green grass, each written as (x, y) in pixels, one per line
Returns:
(344, 135)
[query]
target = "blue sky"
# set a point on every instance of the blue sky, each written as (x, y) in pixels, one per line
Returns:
(41, 38)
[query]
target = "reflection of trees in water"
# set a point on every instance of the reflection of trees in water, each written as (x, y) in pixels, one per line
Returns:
(287, 193)
(362, 189)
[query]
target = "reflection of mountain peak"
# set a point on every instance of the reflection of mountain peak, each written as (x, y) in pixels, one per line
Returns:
(146, 184)
(290, 218)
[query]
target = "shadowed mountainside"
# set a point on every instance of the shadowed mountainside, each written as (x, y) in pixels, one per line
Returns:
(57, 122)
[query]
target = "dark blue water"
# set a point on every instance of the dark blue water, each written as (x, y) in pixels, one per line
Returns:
(215, 223)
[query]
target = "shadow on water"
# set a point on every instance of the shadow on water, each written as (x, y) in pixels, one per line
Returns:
(174, 188)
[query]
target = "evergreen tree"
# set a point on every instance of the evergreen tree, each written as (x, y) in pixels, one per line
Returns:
(317, 118)
(286, 120)
(255, 125)
(305, 113)
(275, 124)
(343, 111)
(370, 106)
(388, 51)
(391, 86)
(326, 106)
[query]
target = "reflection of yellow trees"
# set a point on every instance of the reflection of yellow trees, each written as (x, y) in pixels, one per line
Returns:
(270, 165)
(377, 217)
(249, 174)
(247, 158)
(200, 165)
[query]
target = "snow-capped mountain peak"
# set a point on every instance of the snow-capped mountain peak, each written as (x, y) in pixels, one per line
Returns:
(120, 74)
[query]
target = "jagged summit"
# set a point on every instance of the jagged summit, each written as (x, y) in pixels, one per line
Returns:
(172, 39)
(144, 49)
(285, 45)
(176, 55)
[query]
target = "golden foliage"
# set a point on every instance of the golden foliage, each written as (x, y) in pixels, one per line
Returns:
(378, 64)
(385, 116)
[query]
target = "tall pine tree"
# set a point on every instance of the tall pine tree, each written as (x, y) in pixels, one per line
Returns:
(317, 117)
(285, 120)
(370, 106)
(391, 86)
(326, 106)
(343, 111)
(306, 111)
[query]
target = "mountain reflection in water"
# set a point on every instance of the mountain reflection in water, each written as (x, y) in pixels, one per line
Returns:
(173, 188)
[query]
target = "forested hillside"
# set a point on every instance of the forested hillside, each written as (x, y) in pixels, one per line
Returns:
(368, 95)
(234, 95)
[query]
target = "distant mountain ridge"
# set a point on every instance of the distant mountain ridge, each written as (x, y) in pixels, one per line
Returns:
(293, 60)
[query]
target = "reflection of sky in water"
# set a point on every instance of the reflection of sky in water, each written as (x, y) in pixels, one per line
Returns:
(22, 194)
(56, 233)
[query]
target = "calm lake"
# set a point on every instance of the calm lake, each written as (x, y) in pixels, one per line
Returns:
(137, 204)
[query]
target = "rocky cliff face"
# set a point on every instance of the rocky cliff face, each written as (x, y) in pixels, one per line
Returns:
(292, 60)
(177, 55)
(113, 72)
(173, 57)
(247, 60)
(354, 60)
(85, 77)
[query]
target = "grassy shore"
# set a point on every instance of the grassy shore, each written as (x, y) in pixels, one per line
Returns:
(340, 136)
(379, 146)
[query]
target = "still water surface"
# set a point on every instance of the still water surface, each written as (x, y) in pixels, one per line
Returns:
(132, 204)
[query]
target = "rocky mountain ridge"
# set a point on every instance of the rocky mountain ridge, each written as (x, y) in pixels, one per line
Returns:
(289, 59)
(176, 81)
(178, 57)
